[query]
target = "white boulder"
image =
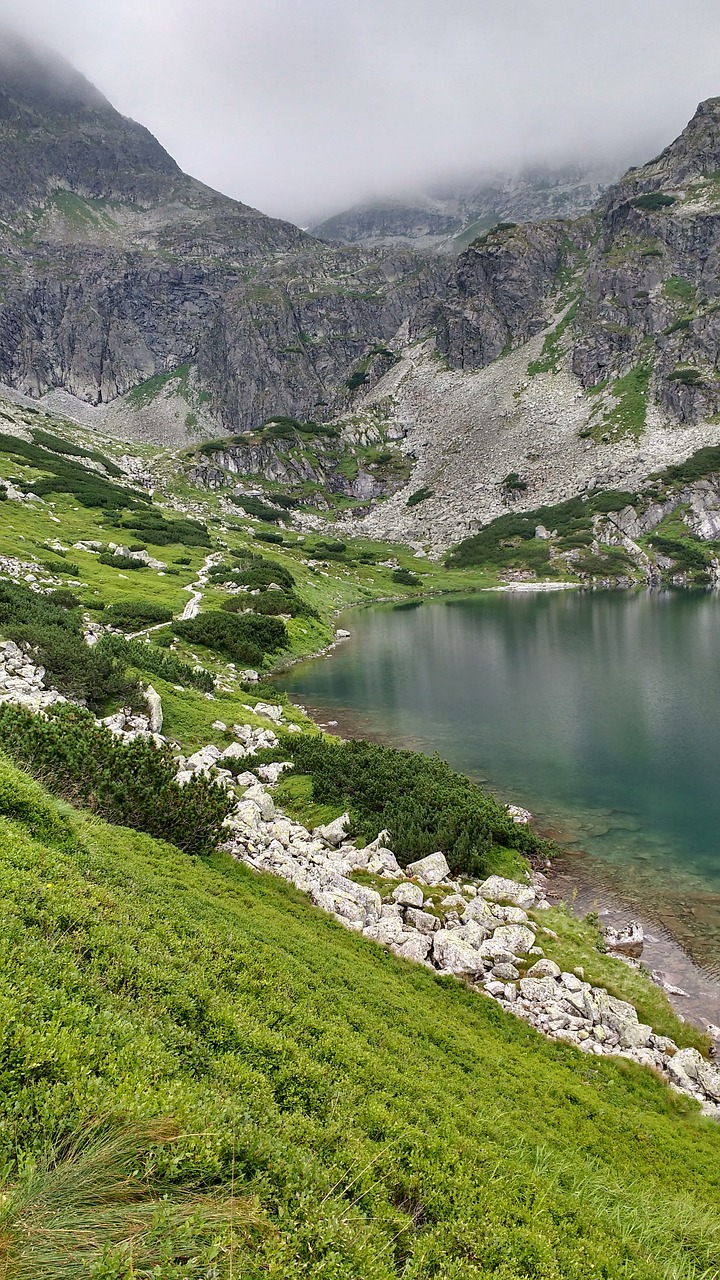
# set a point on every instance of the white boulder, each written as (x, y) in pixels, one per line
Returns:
(431, 870)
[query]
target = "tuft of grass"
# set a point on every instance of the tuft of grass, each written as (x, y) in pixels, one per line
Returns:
(91, 1202)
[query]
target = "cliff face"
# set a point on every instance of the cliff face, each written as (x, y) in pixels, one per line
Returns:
(641, 273)
(115, 267)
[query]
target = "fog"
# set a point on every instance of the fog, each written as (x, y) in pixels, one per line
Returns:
(302, 107)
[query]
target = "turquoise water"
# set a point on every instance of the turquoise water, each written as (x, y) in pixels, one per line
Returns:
(600, 712)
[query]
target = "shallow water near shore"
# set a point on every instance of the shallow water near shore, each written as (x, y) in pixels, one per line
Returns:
(599, 711)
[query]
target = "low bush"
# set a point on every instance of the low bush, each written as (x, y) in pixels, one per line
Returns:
(242, 638)
(423, 803)
(64, 475)
(420, 495)
(132, 784)
(254, 571)
(687, 377)
(654, 201)
(120, 562)
(256, 507)
(275, 538)
(510, 539)
(686, 555)
(704, 462)
(145, 657)
(405, 577)
(160, 531)
(132, 615)
(62, 568)
(57, 445)
(272, 603)
(50, 628)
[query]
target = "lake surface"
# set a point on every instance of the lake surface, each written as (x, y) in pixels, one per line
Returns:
(600, 712)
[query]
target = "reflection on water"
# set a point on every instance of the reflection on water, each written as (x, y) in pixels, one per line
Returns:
(597, 711)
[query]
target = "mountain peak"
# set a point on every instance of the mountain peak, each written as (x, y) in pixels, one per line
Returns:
(36, 77)
(58, 130)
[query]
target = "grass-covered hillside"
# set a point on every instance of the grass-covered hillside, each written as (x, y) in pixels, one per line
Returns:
(292, 1100)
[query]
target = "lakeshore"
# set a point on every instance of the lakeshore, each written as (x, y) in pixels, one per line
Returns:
(680, 926)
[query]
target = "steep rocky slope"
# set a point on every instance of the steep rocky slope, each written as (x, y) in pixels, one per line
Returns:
(117, 269)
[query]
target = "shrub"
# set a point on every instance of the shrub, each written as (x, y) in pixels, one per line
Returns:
(510, 539)
(60, 567)
(686, 377)
(58, 445)
(50, 628)
(687, 556)
(514, 483)
(146, 658)
(243, 638)
(272, 602)
(256, 507)
(654, 201)
(68, 476)
(131, 615)
(255, 571)
(420, 495)
(132, 784)
(156, 529)
(405, 577)
(423, 803)
(120, 561)
(276, 538)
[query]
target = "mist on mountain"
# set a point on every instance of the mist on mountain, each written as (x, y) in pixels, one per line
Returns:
(305, 110)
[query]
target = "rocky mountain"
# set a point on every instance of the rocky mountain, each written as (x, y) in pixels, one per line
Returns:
(552, 359)
(571, 354)
(447, 219)
(120, 272)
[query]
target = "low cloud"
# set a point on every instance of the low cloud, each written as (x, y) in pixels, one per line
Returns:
(302, 109)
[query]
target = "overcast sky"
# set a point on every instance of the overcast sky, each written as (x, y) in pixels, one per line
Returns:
(301, 107)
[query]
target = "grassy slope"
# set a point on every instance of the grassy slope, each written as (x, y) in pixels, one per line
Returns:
(390, 1122)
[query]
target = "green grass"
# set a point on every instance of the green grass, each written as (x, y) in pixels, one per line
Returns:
(577, 947)
(552, 349)
(627, 417)
(383, 1122)
(144, 394)
(677, 289)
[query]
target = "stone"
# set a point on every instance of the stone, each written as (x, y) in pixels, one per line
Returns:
(270, 773)
(259, 796)
(334, 832)
(431, 870)
(412, 946)
(382, 862)
(219, 725)
(515, 938)
(498, 889)
(272, 710)
(454, 954)
(543, 969)
(423, 921)
(540, 991)
(479, 910)
(408, 895)
(505, 972)
(340, 634)
(509, 915)
(155, 711)
(204, 758)
(453, 900)
(569, 980)
(626, 942)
